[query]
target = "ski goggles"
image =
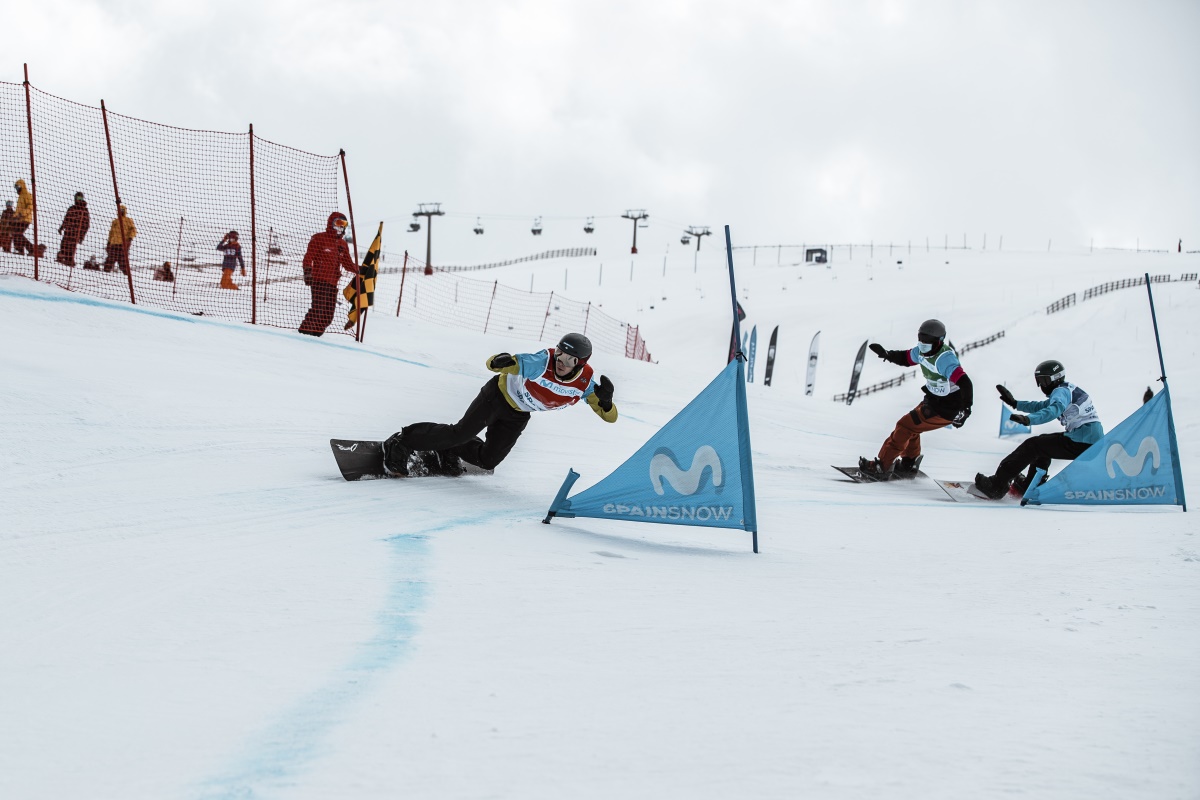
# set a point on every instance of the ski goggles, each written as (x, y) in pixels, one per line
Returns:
(340, 223)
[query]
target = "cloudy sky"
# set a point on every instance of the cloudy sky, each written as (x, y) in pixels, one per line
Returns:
(791, 121)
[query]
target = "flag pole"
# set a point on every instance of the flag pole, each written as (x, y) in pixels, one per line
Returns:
(737, 328)
(1157, 340)
(743, 416)
(1170, 415)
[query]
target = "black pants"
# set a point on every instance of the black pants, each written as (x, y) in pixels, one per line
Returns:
(488, 410)
(1038, 452)
(66, 251)
(320, 314)
(22, 245)
(118, 254)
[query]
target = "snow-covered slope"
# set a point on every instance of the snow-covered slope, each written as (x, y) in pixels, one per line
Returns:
(196, 605)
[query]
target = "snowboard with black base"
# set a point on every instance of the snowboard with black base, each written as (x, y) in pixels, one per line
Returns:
(363, 460)
(903, 469)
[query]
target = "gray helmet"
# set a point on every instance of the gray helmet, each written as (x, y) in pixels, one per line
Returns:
(932, 328)
(576, 344)
(1049, 374)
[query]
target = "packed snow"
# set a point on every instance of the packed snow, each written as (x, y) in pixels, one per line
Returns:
(196, 605)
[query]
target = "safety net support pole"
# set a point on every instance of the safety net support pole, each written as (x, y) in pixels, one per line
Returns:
(112, 166)
(403, 273)
(360, 316)
(253, 238)
(32, 176)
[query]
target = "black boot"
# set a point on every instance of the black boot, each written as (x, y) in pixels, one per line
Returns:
(451, 465)
(908, 467)
(395, 455)
(991, 488)
(872, 469)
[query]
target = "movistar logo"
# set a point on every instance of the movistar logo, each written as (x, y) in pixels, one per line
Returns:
(1133, 465)
(664, 466)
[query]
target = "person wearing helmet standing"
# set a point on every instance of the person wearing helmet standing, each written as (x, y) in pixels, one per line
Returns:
(231, 258)
(327, 255)
(949, 395)
(1074, 409)
(74, 227)
(548, 380)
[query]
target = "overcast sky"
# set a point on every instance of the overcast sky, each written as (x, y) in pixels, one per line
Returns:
(790, 121)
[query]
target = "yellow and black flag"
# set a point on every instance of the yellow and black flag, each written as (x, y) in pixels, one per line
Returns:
(368, 272)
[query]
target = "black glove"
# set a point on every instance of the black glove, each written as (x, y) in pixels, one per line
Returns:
(960, 418)
(879, 350)
(1006, 396)
(1020, 419)
(502, 360)
(308, 276)
(604, 393)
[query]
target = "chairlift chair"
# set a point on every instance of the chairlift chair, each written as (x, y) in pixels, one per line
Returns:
(478, 226)
(589, 227)
(536, 230)
(413, 227)
(685, 239)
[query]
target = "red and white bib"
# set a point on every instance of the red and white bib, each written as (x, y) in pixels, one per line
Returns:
(546, 392)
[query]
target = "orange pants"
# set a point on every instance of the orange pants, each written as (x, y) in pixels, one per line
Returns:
(905, 441)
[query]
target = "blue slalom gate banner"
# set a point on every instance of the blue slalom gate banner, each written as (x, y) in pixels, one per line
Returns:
(1137, 463)
(1007, 426)
(695, 471)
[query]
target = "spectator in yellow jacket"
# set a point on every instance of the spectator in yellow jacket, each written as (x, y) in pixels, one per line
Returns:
(118, 244)
(24, 216)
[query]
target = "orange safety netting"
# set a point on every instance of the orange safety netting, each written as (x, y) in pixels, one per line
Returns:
(190, 211)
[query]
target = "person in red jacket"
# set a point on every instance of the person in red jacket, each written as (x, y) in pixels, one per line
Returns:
(326, 257)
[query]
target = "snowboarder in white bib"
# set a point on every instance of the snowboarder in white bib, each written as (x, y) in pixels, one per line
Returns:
(553, 378)
(1074, 409)
(948, 398)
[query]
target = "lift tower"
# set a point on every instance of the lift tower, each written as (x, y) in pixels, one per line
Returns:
(429, 211)
(635, 214)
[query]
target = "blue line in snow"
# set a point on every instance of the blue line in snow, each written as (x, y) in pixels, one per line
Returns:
(279, 752)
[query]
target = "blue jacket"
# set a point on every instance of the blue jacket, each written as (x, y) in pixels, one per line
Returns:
(232, 252)
(1073, 408)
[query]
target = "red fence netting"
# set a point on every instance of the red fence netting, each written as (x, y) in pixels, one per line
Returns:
(186, 193)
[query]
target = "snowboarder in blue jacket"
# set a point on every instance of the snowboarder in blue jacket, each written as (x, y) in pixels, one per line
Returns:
(1071, 405)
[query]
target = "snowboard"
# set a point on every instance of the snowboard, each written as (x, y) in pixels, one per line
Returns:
(965, 492)
(858, 365)
(363, 460)
(811, 377)
(856, 475)
(750, 359)
(770, 371)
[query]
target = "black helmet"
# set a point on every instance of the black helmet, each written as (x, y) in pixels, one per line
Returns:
(931, 333)
(1048, 375)
(576, 344)
(933, 328)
